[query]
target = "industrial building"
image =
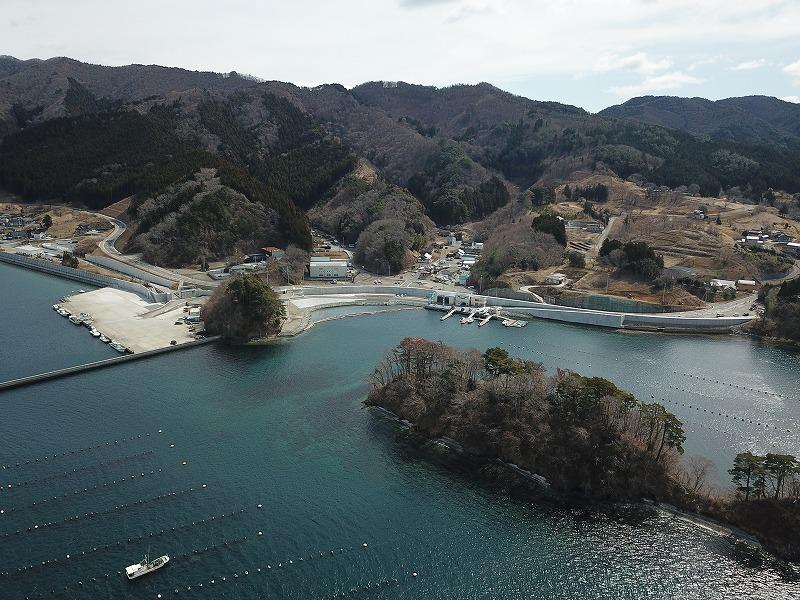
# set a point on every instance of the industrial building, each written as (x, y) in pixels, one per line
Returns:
(323, 267)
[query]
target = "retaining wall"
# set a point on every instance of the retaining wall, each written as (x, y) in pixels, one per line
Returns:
(126, 269)
(92, 279)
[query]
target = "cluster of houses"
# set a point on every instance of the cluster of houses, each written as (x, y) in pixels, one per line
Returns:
(257, 261)
(53, 251)
(454, 268)
(755, 238)
(17, 227)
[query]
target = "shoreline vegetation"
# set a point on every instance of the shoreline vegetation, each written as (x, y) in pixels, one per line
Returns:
(591, 441)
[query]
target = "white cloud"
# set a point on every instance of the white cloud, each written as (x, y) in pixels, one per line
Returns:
(539, 45)
(660, 83)
(703, 62)
(795, 99)
(793, 70)
(638, 63)
(749, 65)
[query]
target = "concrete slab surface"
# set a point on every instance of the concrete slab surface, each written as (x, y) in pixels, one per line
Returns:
(130, 320)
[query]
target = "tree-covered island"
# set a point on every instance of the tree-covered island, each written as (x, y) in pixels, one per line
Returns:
(588, 438)
(244, 308)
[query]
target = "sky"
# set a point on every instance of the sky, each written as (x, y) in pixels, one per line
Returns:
(590, 53)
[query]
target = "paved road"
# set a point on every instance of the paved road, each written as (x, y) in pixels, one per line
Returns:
(107, 247)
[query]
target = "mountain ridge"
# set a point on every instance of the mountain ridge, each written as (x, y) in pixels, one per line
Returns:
(460, 151)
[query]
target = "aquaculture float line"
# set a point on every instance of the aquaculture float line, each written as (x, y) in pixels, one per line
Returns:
(66, 453)
(74, 493)
(75, 471)
(91, 515)
(70, 558)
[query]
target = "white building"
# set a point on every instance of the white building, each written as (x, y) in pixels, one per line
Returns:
(722, 284)
(555, 279)
(746, 285)
(323, 267)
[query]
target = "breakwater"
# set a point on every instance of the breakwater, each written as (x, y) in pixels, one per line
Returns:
(100, 364)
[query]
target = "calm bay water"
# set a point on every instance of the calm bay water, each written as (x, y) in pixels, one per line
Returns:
(283, 427)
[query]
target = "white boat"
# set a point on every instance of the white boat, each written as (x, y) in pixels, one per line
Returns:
(56, 306)
(63, 312)
(118, 347)
(520, 323)
(75, 320)
(145, 567)
(104, 339)
(94, 333)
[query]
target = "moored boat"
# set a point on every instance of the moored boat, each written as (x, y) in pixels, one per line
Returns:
(104, 339)
(75, 320)
(145, 567)
(94, 333)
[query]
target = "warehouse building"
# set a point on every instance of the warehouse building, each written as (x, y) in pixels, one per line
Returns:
(323, 267)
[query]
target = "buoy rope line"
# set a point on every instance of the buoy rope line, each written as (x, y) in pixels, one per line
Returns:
(372, 586)
(733, 385)
(92, 515)
(766, 426)
(69, 558)
(603, 356)
(76, 471)
(86, 490)
(715, 399)
(82, 584)
(267, 569)
(66, 453)
(732, 434)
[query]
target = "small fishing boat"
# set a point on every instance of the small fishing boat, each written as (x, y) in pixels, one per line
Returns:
(75, 320)
(94, 333)
(145, 567)
(56, 306)
(104, 339)
(63, 312)
(118, 347)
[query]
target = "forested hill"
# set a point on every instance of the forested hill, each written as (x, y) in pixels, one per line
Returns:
(92, 134)
(748, 120)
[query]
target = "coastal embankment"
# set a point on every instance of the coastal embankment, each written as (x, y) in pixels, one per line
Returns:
(677, 322)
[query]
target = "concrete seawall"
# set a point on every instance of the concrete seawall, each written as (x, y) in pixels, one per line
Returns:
(92, 279)
(566, 314)
(100, 364)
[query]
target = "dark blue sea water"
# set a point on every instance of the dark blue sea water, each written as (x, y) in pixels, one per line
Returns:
(283, 427)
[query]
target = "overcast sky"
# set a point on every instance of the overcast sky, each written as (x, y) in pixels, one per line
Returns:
(592, 53)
